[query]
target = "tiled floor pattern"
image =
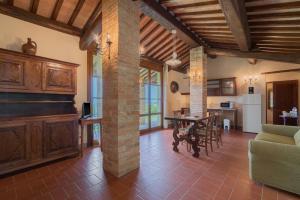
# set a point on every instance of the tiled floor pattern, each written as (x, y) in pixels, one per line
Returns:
(163, 174)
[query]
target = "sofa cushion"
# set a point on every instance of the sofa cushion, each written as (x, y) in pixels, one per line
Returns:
(269, 137)
(297, 138)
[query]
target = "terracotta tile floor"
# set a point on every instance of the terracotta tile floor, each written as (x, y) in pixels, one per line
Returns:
(163, 174)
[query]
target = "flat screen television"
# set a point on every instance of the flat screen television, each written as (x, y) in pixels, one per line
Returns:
(86, 110)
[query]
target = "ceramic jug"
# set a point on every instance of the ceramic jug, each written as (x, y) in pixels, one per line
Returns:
(29, 47)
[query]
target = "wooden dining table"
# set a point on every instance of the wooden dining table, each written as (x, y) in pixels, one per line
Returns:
(191, 135)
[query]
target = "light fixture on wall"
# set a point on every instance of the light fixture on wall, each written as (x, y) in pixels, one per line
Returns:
(98, 47)
(251, 80)
(174, 61)
(194, 75)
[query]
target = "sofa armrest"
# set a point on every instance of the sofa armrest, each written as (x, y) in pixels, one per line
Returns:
(275, 151)
(289, 131)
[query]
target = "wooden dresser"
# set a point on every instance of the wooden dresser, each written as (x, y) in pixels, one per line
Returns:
(38, 119)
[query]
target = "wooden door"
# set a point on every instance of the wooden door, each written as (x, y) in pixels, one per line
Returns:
(14, 145)
(285, 98)
(60, 136)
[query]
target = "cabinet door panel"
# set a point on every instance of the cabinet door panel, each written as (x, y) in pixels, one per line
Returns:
(33, 76)
(58, 78)
(13, 145)
(36, 140)
(60, 136)
(11, 74)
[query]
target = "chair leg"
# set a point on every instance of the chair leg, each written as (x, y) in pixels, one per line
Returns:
(206, 149)
(220, 138)
(210, 142)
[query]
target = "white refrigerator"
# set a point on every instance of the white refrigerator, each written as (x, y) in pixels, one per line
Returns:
(252, 113)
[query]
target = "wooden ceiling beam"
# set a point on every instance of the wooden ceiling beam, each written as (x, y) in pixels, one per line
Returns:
(76, 12)
(37, 19)
(202, 12)
(96, 13)
(236, 18)
(9, 2)
(34, 6)
(290, 58)
(193, 5)
(274, 15)
(158, 13)
(88, 36)
(57, 9)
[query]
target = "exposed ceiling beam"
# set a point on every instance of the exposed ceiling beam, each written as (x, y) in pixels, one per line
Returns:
(37, 19)
(76, 11)
(57, 9)
(280, 57)
(235, 14)
(89, 34)
(158, 13)
(34, 6)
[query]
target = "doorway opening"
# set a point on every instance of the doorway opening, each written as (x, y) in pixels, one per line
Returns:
(282, 96)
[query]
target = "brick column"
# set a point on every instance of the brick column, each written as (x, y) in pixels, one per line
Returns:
(198, 82)
(120, 19)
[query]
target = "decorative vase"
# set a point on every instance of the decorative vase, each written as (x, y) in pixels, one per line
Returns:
(29, 47)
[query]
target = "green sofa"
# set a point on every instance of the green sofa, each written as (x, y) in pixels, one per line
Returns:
(274, 157)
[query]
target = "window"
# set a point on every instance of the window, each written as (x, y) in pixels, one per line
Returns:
(150, 99)
(96, 92)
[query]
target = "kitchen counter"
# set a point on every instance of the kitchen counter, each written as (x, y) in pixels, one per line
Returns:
(226, 113)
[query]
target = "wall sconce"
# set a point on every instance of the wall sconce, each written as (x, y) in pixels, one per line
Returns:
(194, 74)
(251, 80)
(101, 50)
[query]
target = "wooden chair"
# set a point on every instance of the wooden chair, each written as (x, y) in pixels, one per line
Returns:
(183, 129)
(217, 124)
(206, 134)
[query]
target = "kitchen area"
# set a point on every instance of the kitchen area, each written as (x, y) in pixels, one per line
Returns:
(223, 97)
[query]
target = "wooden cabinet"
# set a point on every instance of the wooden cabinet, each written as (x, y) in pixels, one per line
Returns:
(32, 140)
(221, 87)
(34, 74)
(38, 119)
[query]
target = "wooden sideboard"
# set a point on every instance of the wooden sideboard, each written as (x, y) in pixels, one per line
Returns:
(38, 119)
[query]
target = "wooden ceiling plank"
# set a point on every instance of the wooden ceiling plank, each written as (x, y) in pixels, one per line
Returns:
(236, 18)
(203, 12)
(34, 6)
(166, 19)
(275, 6)
(167, 47)
(159, 44)
(157, 27)
(193, 5)
(57, 9)
(168, 54)
(274, 15)
(290, 58)
(76, 12)
(39, 20)
(96, 13)
(146, 25)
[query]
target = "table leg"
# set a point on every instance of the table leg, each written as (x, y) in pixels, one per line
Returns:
(193, 139)
(81, 140)
(175, 136)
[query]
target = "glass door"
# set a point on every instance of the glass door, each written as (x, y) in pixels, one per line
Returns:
(150, 99)
(96, 93)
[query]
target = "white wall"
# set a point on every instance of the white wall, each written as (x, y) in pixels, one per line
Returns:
(176, 101)
(51, 44)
